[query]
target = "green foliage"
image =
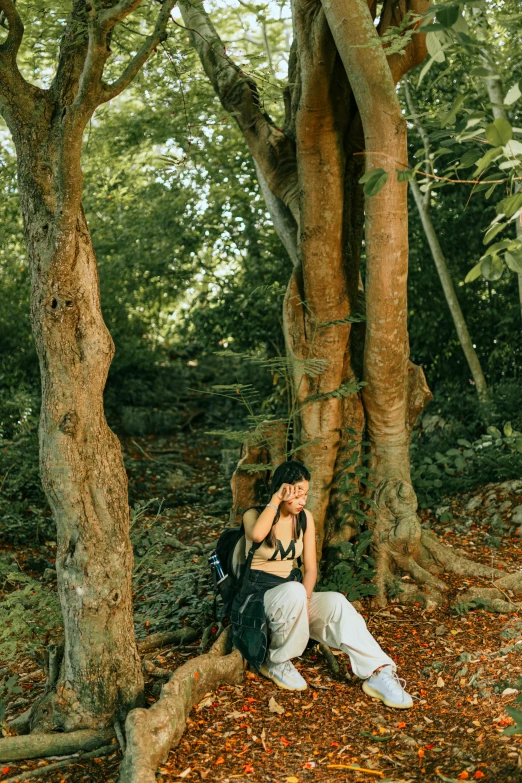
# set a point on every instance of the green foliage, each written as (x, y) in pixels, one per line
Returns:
(494, 456)
(173, 587)
(29, 612)
(24, 514)
(8, 688)
(464, 607)
(374, 181)
(516, 714)
(354, 574)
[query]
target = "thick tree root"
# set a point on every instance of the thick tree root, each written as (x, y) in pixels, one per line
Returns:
(80, 758)
(35, 746)
(151, 733)
(400, 543)
(156, 640)
(497, 598)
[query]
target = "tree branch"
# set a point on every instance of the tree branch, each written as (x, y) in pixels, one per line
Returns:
(393, 13)
(139, 59)
(271, 148)
(9, 48)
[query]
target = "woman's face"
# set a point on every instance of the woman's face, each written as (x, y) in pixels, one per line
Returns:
(296, 504)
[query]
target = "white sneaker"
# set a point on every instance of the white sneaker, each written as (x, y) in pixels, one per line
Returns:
(388, 688)
(285, 675)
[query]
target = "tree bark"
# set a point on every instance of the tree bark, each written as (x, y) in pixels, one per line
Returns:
(81, 465)
(151, 733)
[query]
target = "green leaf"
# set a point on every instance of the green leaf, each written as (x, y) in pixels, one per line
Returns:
(508, 429)
(518, 444)
(514, 262)
(474, 273)
(469, 158)
(374, 181)
(451, 116)
(499, 132)
(492, 268)
(434, 47)
(486, 159)
(513, 94)
(508, 206)
(448, 16)
(481, 72)
(405, 175)
(492, 232)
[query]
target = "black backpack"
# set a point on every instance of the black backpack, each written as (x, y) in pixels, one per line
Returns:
(230, 565)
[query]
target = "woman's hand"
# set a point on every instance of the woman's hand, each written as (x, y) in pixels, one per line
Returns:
(284, 493)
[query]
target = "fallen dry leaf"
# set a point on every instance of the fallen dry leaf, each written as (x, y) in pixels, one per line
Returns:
(273, 706)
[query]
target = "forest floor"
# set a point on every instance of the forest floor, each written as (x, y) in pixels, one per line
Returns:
(462, 667)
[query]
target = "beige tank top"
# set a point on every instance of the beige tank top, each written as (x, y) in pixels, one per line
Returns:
(278, 560)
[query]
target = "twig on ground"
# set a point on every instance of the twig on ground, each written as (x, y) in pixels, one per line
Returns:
(144, 452)
(41, 771)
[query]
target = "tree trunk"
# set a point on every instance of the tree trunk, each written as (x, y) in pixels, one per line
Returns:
(450, 294)
(80, 457)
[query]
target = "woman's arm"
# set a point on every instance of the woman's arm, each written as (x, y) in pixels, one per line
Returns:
(258, 525)
(309, 555)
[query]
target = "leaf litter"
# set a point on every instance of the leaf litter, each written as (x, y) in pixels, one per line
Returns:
(462, 668)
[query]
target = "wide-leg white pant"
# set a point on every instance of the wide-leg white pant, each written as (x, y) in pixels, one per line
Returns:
(329, 618)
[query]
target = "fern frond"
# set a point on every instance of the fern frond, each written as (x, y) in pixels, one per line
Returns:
(255, 468)
(350, 319)
(344, 390)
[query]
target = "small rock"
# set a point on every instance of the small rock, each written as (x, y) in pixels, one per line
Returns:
(440, 630)
(509, 692)
(440, 682)
(474, 503)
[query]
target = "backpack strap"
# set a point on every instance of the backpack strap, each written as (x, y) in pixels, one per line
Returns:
(248, 564)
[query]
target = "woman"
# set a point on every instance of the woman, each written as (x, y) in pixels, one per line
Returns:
(276, 600)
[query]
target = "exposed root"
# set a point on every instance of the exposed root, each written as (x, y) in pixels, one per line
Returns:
(41, 771)
(156, 640)
(119, 734)
(35, 746)
(400, 543)
(157, 672)
(331, 660)
(453, 560)
(205, 639)
(22, 723)
(151, 733)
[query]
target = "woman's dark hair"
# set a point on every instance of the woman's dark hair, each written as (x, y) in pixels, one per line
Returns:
(289, 472)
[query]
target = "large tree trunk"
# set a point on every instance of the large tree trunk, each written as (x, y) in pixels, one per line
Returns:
(80, 457)
(342, 112)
